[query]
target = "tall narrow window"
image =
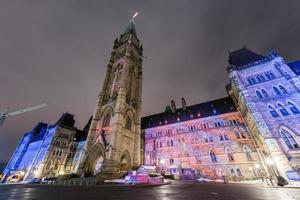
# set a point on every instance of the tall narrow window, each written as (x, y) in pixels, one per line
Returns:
(262, 77)
(243, 134)
(253, 80)
(239, 172)
(106, 120)
(259, 95)
(265, 93)
(237, 134)
(128, 123)
(283, 111)
(48, 165)
(288, 139)
(248, 152)
(293, 108)
(276, 90)
(213, 156)
(229, 154)
(272, 75)
(273, 111)
(283, 90)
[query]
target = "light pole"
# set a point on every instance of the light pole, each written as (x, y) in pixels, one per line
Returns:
(270, 164)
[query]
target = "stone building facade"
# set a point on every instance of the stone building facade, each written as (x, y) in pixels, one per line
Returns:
(113, 142)
(208, 139)
(266, 90)
(46, 150)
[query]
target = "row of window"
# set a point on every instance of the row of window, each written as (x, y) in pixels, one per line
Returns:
(208, 137)
(59, 143)
(293, 109)
(262, 94)
(193, 127)
(57, 152)
(259, 78)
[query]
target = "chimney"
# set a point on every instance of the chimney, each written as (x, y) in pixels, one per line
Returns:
(173, 106)
(183, 104)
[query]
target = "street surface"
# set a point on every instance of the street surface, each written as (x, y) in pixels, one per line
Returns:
(176, 190)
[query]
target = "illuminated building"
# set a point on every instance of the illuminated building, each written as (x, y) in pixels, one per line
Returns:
(210, 139)
(113, 141)
(46, 151)
(266, 91)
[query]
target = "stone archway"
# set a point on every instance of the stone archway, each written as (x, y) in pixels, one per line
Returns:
(94, 160)
(125, 161)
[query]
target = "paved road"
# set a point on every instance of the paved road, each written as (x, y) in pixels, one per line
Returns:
(177, 190)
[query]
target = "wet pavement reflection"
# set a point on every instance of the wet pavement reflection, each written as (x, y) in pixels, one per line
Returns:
(176, 190)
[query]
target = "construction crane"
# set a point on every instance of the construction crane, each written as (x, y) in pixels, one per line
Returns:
(5, 114)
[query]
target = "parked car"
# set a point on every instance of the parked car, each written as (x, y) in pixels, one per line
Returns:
(36, 181)
(49, 180)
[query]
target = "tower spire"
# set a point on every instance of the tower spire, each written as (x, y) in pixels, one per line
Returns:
(131, 27)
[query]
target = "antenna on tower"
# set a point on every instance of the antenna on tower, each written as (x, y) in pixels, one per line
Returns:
(134, 16)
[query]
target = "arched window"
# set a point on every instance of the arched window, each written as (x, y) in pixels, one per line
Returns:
(106, 120)
(197, 155)
(265, 93)
(293, 108)
(56, 166)
(213, 156)
(276, 90)
(242, 132)
(283, 90)
(248, 152)
(288, 139)
(128, 123)
(48, 165)
(282, 109)
(253, 80)
(273, 111)
(272, 75)
(229, 154)
(259, 95)
(237, 134)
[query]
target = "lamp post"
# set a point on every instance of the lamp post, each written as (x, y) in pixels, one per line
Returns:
(162, 161)
(270, 164)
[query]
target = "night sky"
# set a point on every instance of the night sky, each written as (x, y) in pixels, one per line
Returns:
(57, 51)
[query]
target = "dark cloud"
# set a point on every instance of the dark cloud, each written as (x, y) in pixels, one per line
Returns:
(57, 51)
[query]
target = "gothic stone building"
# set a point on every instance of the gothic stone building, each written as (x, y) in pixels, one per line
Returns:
(253, 132)
(113, 142)
(210, 139)
(46, 150)
(266, 91)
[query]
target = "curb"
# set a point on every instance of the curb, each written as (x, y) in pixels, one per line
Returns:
(286, 187)
(105, 185)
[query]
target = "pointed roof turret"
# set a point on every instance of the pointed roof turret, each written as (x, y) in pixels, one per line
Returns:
(243, 56)
(130, 29)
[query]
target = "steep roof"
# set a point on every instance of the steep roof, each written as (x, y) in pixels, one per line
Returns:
(66, 121)
(243, 56)
(131, 29)
(39, 127)
(295, 66)
(81, 135)
(206, 109)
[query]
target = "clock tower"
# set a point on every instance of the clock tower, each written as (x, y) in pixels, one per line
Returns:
(113, 141)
